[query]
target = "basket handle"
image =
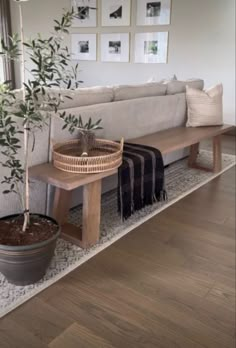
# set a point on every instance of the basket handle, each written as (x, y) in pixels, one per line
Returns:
(122, 144)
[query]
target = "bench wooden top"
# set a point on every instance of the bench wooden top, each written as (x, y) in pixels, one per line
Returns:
(67, 181)
(180, 137)
(166, 141)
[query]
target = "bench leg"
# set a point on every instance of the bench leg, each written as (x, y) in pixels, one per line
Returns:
(194, 149)
(217, 154)
(61, 205)
(89, 234)
(91, 214)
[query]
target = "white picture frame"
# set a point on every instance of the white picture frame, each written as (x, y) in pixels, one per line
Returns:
(151, 47)
(150, 12)
(87, 13)
(84, 47)
(115, 47)
(116, 13)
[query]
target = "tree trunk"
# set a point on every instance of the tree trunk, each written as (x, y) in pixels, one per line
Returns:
(26, 133)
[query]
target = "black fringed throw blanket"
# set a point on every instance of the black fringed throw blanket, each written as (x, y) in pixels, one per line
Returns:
(141, 179)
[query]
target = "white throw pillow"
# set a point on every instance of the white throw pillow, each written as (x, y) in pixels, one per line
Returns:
(205, 108)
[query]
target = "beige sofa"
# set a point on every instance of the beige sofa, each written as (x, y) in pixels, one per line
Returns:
(126, 111)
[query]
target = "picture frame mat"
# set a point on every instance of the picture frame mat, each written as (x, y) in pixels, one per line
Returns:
(89, 40)
(147, 46)
(108, 53)
(108, 8)
(91, 21)
(159, 14)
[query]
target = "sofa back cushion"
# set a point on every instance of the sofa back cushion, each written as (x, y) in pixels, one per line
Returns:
(83, 96)
(127, 92)
(129, 118)
(175, 86)
(78, 97)
(205, 108)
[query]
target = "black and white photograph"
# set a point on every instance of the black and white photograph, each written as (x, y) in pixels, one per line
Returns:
(153, 12)
(151, 47)
(153, 9)
(86, 13)
(84, 46)
(116, 13)
(83, 12)
(115, 47)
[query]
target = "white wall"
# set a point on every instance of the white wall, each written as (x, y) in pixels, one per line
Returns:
(201, 44)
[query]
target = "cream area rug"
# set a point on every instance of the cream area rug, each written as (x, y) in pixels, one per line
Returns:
(180, 181)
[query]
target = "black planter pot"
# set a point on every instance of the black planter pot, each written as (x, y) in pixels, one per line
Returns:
(24, 265)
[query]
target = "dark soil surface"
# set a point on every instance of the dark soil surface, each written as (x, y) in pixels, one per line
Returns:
(39, 230)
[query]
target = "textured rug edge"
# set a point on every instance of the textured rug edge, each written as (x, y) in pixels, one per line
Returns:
(102, 247)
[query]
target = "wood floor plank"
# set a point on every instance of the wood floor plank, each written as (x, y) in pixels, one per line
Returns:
(223, 294)
(126, 264)
(212, 233)
(229, 222)
(13, 335)
(77, 336)
(151, 313)
(127, 325)
(180, 215)
(42, 320)
(146, 284)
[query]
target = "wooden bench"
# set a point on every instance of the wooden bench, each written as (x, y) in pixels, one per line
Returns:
(174, 139)
(166, 141)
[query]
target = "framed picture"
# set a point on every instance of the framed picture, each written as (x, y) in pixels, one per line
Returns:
(151, 12)
(86, 13)
(115, 47)
(151, 47)
(84, 46)
(116, 13)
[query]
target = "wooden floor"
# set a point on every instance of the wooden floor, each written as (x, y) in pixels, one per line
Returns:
(169, 283)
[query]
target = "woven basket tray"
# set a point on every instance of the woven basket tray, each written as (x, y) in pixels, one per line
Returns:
(104, 156)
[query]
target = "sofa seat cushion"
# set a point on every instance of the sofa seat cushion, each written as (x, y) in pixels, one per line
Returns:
(176, 86)
(127, 92)
(205, 108)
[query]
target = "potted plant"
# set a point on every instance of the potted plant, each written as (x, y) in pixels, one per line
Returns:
(27, 241)
(86, 131)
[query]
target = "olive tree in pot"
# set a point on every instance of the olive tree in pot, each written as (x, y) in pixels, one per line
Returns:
(27, 241)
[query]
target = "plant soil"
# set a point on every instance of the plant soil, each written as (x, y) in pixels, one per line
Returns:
(39, 230)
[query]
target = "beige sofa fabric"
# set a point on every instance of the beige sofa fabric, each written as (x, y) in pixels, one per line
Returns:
(130, 118)
(83, 96)
(205, 108)
(139, 91)
(175, 86)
